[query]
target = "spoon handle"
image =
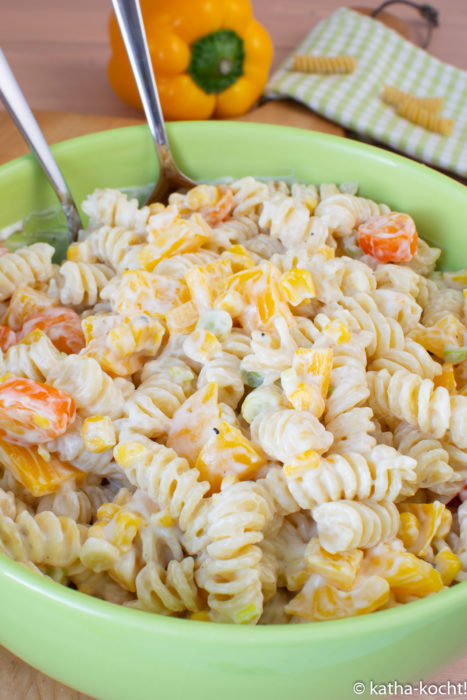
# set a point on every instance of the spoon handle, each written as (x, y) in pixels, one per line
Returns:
(20, 112)
(130, 21)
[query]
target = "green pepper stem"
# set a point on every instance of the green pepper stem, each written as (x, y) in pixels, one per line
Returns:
(217, 60)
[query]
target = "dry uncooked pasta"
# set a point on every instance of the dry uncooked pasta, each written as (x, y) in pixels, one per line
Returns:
(324, 64)
(266, 409)
(425, 118)
(395, 97)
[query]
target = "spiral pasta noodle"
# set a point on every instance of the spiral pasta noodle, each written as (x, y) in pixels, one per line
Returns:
(249, 195)
(149, 410)
(107, 207)
(116, 247)
(324, 64)
(344, 524)
(395, 97)
(417, 401)
(383, 474)
(80, 283)
(284, 432)
(42, 539)
(25, 266)
(34, 360)
(94, 392)
(230, 572)
(344, 212)
(267, 426)
(169, 481)
(168, 591)
(426, 118)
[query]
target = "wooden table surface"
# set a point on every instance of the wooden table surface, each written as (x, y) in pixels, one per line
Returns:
(59, 50)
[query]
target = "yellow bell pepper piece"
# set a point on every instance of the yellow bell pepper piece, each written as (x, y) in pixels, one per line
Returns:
(318, 601)
(447, 378)
(182, 236)
(407, 574)
(314, 364)
(447, 332)
(182, 319)
(298, 286)
(228, 452)
(209, 58)
(448, 565)
(41, 473)
(239, 258)
(427, 520)
(339, 569)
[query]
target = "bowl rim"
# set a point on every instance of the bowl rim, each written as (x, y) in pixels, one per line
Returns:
(398, 617)
(408, 614)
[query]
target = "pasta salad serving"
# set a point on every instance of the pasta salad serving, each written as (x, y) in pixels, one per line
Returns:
(247, 406)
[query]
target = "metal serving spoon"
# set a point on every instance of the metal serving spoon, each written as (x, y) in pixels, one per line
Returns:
(130, 21)
(19, 110)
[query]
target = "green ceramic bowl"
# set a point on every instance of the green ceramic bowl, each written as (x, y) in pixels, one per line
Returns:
(119, 654)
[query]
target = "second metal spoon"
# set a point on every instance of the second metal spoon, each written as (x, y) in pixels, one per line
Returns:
(20, 112)
(130, 21)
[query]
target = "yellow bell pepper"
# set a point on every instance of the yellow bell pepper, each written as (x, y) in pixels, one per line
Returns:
(209, 58)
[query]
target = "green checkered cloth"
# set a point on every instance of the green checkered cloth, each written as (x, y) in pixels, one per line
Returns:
(352, 100)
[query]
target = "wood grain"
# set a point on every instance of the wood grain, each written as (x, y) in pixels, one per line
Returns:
(59, 49)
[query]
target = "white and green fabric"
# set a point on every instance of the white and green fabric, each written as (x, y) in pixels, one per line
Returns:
(353, 101)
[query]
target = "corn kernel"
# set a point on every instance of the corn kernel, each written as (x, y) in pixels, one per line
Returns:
(448, 565)
(98, 433)
(166, 520)
(337, 331)
(77, 252)
(201, 345)
(301, 464)
(127, 453)
(298, 286)
(247, 615)
(32, 337)
(326, 252)
(201, 616)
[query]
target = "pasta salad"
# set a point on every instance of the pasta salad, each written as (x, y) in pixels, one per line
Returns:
(247, 406)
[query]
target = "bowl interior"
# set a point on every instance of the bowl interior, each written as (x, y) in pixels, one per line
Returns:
(212, 151)
(78, 639)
